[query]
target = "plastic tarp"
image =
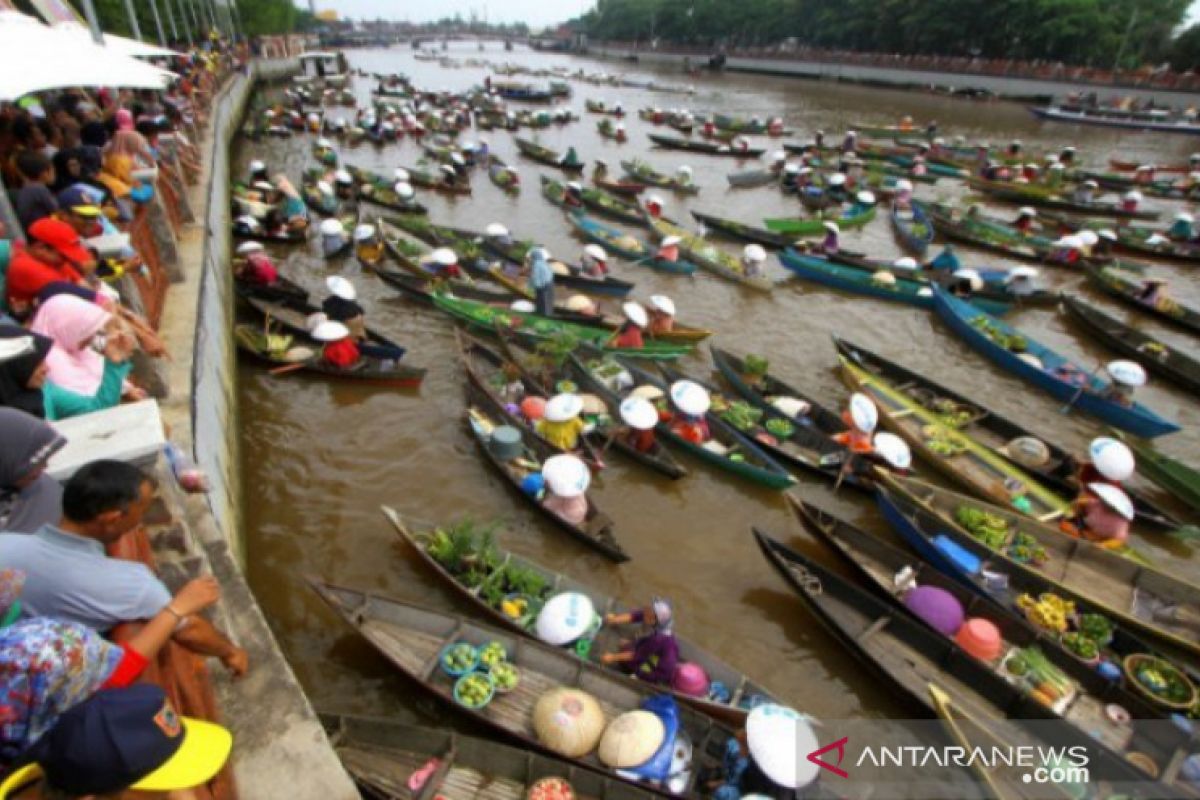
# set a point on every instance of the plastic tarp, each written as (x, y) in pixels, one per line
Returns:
(34, 58)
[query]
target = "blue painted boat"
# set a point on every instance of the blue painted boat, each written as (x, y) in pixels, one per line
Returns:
(626, 246)
(913, 229)
(1058, 376)
(855, 280)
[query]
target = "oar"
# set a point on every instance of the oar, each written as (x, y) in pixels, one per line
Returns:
(286, 368)
(1082, 387)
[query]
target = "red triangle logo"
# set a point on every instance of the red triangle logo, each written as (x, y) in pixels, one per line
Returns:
(840, 746)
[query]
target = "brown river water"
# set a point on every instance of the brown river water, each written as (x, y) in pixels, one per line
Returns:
(319, 458)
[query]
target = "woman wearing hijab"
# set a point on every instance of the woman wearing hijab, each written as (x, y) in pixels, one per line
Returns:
(125, 153)
(29, 498)
(87, 364)
(654, 656)
(21, 378)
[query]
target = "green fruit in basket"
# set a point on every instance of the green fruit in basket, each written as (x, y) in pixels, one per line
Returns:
(505, 675)
(492, 653)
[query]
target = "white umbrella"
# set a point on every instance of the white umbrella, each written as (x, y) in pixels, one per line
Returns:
(59, 60)
(115, 44)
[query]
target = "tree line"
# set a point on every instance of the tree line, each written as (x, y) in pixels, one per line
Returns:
(1096, 33)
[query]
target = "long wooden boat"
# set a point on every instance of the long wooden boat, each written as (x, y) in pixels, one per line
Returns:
(644, 173)
(1114, 119)
(287, 236)
(1156, 356)
(623, 188)
(626, 246)
(600, 202)
(485, 365)
(731, 709)
(743, 232)
(912, 228)
(412, 638)
(483, 415)
(374, 188)
(752, 179)
(382, 755)
(1159, 604)
(1040, 196)
(969, 231)
(764, 391)
(908, 655)
(293, 317)
(369, 370)
(325, 205)
(984, 432)
(893, 572)
(1125, 288)
(1057, 376)
(501, 178)
(707, 148)
(1171, 474)
(819, 269)
(1121, 165)
(544, 155)
(1136, 240)
(433, 180)
(708, 256)
(854, 216)
(283, 290)
(800, 449)
(736, 453)
(725, 122)
(488, 319)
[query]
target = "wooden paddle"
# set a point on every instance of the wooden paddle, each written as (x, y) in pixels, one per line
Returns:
(1082, 387)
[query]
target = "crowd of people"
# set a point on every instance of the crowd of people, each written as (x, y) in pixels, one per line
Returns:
(79, 628)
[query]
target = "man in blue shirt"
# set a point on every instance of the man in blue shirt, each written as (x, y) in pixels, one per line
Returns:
(70, 577)
(541, 281)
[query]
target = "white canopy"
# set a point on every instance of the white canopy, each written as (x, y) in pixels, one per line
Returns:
(34, 58)
(116, 44)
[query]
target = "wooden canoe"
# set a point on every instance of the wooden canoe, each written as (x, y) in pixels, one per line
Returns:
(1131, 239)
(882, 565)
(743, 232)
(544, 155)
(752, 179)
(283, 290)
(743, 691)
(630, 188)
(381, 756)
(937, 404)
(908, 655)
(374, 188)
(500, 177)
(763, 391)
(1160, 605)
(854, 216)
(753, 465)
(483, 415)
(1042, 197)
(412, 638)
(625, 245)
(1057, 375)
(433, 180)
(1126, 289)
(294, 318)
(912, 227)
(595, 200)
(707, 148)
(1176, 477)
(368, 371)
(708, 256)
(644, 173)
(1156, 356)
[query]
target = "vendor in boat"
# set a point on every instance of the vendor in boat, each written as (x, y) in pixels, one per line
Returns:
(1067, 156)
(443, 262)
(904, 193)
(850, 142)
(1086, 192)
(836, 186)
(1067, 250)
(343, 185)
(573, 194)
(1125, 377)
(653, 656)
(919, 169)
(1030, 173)
(964, 283)
(1130, 200)
(339, 348)
(668, 249)
(754, 257)
(691, 402)
(683, 175)
(778, 161)
(629, 335)
(830, 244)
(459, 165)
(1026, 220)
(291, 204)
(333, 237)
(1182, 228)
(1108, 461)
(740, 143)
(1144, 175)
(541, 280)
(1020, 281)
(594, 263)
(662, 315)
(566, 479)
(342, 306)
(404, 193)
(763, 760)
(640, 418)
(449, 177)
(620, 135)
(1102, 514)
(819, 140)
(257, 172)
(1014, 149)
(571, 159)
(1055, 174)
(561, 424)
(790, 179)
(496, 234)
(861, 417)
(368, 245)
(255, 266)
(583, 305)
(325, 153)
(654, 206)
(1152, 292)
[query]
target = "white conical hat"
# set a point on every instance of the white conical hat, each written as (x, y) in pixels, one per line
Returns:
(1129, 373)
(778, 739)
(906, 263)
(831, 226)
(866, 198)
(663, 303)
(564, 618)
(1114, 498)
(971, 276)
(1111, 458)
(893, 449)
(863, 412)
(342, 176)
(364, 232)
(635, 314)
(638, 413)
(566, 475)
(596, 252)
(401, 174)
(404, 190)
(754, 253)
(523, 306)
(445, 256)
(246, 248)
(330, 331)
(341, 287)
(690, 397)
(563, 407)
(332, 227)
(496, 230)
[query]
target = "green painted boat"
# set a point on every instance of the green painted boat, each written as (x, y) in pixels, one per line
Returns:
(1176, 477)
(545, 155)
(743, 232)
(708, 256)
(643, 172)
(488, 318)
(1027, 194)
(855, 216)
(1127, 289)
(600, 202)
(727, 449)
(626, 246)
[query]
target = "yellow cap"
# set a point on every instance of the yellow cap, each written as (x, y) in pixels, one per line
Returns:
(86, 211)
(19, 780)
(204, 751)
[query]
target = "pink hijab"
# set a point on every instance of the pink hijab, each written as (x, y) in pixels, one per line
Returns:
(124, 119)
(71, 321)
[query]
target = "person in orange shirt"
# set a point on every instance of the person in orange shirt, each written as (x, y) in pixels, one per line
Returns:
(53, 254)
(861, 416)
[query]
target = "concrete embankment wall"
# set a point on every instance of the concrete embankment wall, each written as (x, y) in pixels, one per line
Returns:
(280, 749)
(903, 78)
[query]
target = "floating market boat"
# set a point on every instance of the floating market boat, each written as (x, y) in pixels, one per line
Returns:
(1039, 365)
(1176, 477)
(283, 353)
(972, 445)
(600, 202)
(436, 181)
(1125, 288)
(912, 227)
(854, 216)
(544, 155)
(1026, 194)
(413, 639)
(374, 188)
(1156, 356)
(644, 173)
(727, 448)
(501, 178)
(710, 257)
(707, 148)
(751, 179)
(909, 655)
(743, 232)
(899, 289)
(484, 414)
(282, 290)
(1133, 239)
(626, 246)
(509, 573)
(382, 756)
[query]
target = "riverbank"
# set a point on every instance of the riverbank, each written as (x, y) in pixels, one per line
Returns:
(280, 748)
(1005, 87)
